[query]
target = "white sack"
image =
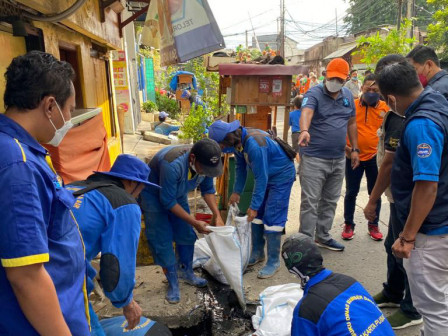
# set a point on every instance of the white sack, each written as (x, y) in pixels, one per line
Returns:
(274, 316)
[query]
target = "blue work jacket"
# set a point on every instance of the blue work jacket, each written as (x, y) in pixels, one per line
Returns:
(337, 305)
(267, 160)
(37, 226)
(110, 221)
(425, 160)
(170, 170)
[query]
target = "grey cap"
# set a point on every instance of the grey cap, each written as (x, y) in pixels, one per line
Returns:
(300, 253)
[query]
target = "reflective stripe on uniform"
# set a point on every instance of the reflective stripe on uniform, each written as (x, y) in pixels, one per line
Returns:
(21, 149)
(25, 261)
(273, 228)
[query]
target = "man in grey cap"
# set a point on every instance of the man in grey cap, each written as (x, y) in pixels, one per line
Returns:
(333, 304)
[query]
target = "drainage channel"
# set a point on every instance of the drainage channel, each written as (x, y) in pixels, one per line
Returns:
(222, 315)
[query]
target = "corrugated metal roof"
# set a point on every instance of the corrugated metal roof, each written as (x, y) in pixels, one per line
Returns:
(341, 51)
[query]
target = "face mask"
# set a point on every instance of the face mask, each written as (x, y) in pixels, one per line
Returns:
(303, 278)
(390, 106)
(355, 79)
(59, 133)
(192, 167)
(423, 79)
(371, 98)
(333, 85)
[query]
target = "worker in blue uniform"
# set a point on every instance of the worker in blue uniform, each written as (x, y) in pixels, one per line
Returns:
(419, 185)
(274, 175)
(42, 273)
(179, 170)
(109, 218)
(332, 304)
(162, 127)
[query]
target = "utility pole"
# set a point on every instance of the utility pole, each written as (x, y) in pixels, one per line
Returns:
(247, 40)
(409, 13)
(413, 15)
(255, 35)
(400, 5)
(336, 12)
(282, 28)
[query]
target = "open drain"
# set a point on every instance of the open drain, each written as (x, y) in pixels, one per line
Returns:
(222, 314)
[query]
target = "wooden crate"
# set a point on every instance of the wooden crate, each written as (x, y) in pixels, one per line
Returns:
(246, 91)
(260, 120)
(184, 79)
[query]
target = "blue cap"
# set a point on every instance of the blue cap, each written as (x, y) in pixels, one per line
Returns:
(129, 167)
(185, 94)
(163, 114)
(219, 129)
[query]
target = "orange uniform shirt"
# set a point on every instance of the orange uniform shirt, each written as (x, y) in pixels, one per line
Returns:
(368, 121)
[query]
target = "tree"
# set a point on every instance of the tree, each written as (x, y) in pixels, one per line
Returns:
(438, 31)
(363, 15)
(372, 48)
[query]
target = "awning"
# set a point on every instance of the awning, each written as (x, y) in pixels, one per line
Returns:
(261, 69)
(342, 51)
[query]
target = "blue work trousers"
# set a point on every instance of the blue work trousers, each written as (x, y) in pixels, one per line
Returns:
(162, 228)
(273, 212)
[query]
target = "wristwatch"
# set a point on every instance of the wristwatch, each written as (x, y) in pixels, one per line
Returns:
(355, 150)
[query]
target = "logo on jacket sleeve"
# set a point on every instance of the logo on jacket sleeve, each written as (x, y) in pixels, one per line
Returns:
(424, 150)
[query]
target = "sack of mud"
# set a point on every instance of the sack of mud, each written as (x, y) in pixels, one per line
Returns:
(274, 316)
(225, 252)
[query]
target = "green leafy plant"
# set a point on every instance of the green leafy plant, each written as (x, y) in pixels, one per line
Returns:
(168, 105)
(438, 31)
(372, 48)
(149, 106)
(363, 15)
(196, 123)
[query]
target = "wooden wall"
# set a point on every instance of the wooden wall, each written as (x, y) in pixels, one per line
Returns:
(12, 46)
(85, 20)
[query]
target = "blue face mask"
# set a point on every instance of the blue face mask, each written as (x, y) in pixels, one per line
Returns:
(228, 150)
(371, 98)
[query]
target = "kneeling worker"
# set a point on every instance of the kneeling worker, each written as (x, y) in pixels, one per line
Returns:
(179, 170)
(333, 304)
(274, 175)
(109, 218)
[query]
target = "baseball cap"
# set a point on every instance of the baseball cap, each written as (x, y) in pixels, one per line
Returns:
(208, 154)
(339, 68)
(129, 167)
(219, 129)
(163, 114)
(301, 254)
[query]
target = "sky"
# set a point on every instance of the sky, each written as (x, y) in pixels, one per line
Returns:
(306, 21)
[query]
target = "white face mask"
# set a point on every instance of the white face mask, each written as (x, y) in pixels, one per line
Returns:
(394, 109)
(60, 133)
(333, 85)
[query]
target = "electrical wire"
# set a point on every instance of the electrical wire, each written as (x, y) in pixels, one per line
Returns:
(56, 17)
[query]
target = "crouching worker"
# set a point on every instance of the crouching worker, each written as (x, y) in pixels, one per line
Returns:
(179, 170)
(109, 218)
(333, 304)
(274, 175)
(163, 127)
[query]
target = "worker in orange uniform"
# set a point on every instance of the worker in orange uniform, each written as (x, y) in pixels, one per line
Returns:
(370, 111)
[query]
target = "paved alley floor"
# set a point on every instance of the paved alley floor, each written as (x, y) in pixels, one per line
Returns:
(363, 258)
